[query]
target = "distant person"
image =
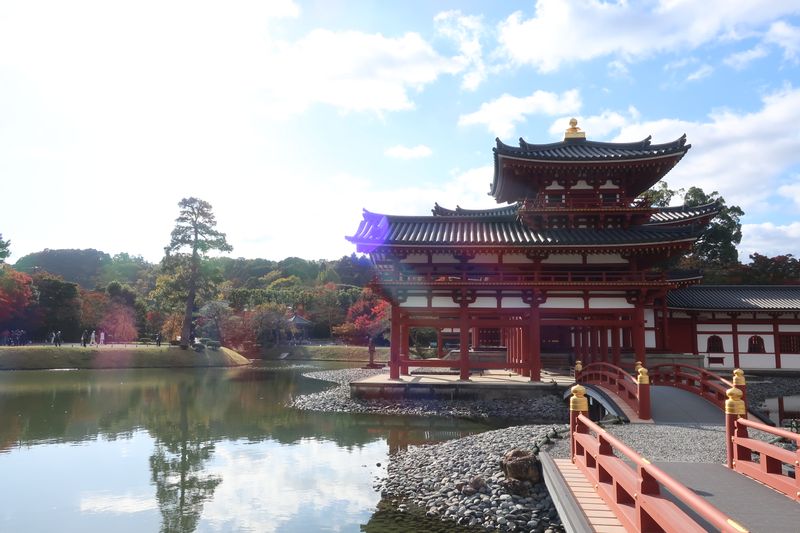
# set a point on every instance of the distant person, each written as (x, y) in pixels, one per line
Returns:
(51, 338)
(84, 338)
(158, 339)
(57, 338)
(92, 339)
(102, 337)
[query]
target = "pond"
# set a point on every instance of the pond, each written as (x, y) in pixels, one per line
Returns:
(194, 450)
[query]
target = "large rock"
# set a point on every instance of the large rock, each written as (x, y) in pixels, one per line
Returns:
(521, 465)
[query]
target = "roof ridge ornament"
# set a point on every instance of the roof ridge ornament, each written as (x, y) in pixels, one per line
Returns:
(574, 132)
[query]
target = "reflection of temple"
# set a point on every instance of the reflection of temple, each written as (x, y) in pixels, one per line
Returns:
(566, 269)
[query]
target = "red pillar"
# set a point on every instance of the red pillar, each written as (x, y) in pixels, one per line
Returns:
(604, 344)
(394, 349)
(405, 331)
(637, 336)
(476, 341)
(735, 335)
(463, 337)
(439, 347)
(776, 341)
(535, 361)
(615, 351)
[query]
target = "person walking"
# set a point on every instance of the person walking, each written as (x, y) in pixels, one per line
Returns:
(158, 339)
(84, 338)
(92, 339)
(102, 337)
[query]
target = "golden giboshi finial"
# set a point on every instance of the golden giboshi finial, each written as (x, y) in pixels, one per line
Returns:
(574, 132)
(738, 377)
(643, 378)
(734, 404)
(578, 400)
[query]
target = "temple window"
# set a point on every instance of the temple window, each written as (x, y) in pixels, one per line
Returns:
(555, 198)
(755, 344)
(609, 198)
(790, 343)
(714, 344)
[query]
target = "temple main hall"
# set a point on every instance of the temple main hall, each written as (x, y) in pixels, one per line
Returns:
(570, 267)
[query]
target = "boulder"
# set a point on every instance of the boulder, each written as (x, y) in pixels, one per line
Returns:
(521, 465)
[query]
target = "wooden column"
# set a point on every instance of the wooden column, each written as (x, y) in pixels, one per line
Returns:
(735, 335)
(476, 341)
(695, 350)
(405, 331)
(604, 345)
(637, 336)
(463, 344)
(522, 362)
(394, 349)
(535, 354)
(664, 324)
(615, 349)
(439, 347)
(776, 340)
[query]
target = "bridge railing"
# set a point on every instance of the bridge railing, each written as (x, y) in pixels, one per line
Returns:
(767, 463)
(631, 486)
(635, 391)
(694, 379)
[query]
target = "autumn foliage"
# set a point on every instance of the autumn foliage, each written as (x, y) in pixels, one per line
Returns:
(367, 319)
(16, 293)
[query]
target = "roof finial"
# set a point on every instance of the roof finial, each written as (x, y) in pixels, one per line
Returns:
(574, 132)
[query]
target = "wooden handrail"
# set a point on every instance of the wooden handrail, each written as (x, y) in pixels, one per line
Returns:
(769, 469)
(621, 383)
(634, 495)
(694, 379)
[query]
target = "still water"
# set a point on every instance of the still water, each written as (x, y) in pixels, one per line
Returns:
(191, 450)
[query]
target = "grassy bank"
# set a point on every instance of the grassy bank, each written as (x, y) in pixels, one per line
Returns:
(50, 357)
(327, 353)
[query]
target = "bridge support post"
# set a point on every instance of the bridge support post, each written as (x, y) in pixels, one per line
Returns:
(734, 408)
(578, 405)
(643, 392)
(740, 383)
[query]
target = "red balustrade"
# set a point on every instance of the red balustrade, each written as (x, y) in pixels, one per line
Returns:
(710, 386)
(631, 486)
(635, 392)
(772, 463)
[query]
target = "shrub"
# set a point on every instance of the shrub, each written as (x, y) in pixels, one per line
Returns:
(203, 340)
(174, 342)
(213, 345)
(145, 340)
(198, 346)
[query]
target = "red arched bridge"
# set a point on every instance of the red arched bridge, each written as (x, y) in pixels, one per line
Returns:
(607, 486)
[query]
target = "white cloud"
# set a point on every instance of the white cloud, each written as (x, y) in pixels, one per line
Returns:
(769, 239)
(618, 69)
(791, 191)
(466, 31)
(740, 60)
(785, 36)
(573, 30)
(703, 72)
(404, 152)
(501, 114)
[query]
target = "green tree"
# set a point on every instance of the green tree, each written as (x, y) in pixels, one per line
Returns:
(194, 230)
(716, 247)
(778, 270)
(660, 195)
(4, 249)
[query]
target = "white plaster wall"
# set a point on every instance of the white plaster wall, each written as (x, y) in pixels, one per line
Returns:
(484, 302)
(753, 360)
(605, 259)
(443, 301)
(564, 259)
(608, 185)
(788, 327)
(581, 185)
(649, 318)
(679, 314)
(554, 187)
(609, 303)
(649, 338)
(443, 258)
(417, 301)
(563, 303)
(714, 327)
(415, 258)
(516, 258)
(727, 342)
(755, 327)
(513, 302)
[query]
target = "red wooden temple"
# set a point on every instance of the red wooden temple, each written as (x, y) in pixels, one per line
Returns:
(568, 269)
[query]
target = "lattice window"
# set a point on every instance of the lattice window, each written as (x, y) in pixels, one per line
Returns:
(755, 344)
(790, 343)
(715, 344)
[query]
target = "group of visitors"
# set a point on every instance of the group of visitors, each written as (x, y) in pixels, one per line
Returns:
(93, 338)
(54, 338)
(15, 337)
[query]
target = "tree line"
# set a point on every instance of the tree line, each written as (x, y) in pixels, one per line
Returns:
(247, 303)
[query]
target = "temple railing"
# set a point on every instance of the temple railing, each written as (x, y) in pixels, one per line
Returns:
(763, 461)
(592, 201)
(634, 391)
(631, 486)
(707, 384)
(430, 278)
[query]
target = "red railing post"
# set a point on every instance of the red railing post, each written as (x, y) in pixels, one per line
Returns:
(643, 393)
(578, 405)
(740, 383)
(734, 407)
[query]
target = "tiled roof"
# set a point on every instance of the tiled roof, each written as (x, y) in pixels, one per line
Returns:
(583, 150)
(506, 230)
(682, 214)
(736, 297)
(459, 211)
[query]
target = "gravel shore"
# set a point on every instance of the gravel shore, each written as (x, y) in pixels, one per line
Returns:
(544, 409)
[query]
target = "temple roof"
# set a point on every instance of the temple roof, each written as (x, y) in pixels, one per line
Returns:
(504, 230)
(585, 150)
(736, 297)
(459, 211)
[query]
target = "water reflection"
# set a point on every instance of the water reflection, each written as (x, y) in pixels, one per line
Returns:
(190, 450)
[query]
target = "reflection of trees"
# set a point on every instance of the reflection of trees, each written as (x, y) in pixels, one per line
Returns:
(177, 467)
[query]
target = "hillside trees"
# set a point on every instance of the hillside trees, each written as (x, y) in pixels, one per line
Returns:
(368, 319)
(4, 249)
(194, 230)
(16, 296)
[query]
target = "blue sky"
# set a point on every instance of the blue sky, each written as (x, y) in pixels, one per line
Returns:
(290, 117)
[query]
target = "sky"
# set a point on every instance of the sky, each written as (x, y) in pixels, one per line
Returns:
(290, 117)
